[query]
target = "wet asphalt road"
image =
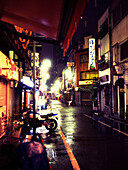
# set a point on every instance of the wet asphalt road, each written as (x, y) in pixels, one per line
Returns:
(97, 143)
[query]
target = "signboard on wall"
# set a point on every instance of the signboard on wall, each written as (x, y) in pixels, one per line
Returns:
(85, 82)
(104, 76)
(36, 60)
(91, 64)
(69, 64)
(7, 68)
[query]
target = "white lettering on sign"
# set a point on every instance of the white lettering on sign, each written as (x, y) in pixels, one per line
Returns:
(91, 64)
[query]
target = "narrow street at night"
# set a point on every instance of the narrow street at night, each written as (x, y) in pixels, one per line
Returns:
(64, 85)
(97, 143)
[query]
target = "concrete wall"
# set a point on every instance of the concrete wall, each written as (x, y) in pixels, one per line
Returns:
(120, 32)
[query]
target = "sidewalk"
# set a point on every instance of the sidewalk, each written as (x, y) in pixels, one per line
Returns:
(102, 115)
(115, 117)
(7, 145)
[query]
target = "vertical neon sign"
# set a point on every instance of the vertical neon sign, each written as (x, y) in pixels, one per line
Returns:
(91, 64)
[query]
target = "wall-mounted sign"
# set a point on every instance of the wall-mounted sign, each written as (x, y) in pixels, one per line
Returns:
(85, 82)
(26, 81)
(69, 64)
(36, 60)
(7, 68)
(23, 41)
(91, 64)
(104, 76)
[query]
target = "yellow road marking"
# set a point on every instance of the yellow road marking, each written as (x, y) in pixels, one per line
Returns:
(104, 124)
(69, 151)
(120, 131)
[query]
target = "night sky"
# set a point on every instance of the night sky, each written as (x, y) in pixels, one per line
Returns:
(88, 25)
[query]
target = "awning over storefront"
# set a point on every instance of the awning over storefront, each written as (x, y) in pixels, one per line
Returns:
(53, 19)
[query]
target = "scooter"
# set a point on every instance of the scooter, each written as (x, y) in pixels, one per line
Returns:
(40, 120)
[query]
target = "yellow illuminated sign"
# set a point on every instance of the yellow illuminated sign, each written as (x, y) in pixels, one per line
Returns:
(85, 82)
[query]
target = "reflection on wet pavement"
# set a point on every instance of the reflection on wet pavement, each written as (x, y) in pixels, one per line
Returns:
(97, 142)
(115, 125)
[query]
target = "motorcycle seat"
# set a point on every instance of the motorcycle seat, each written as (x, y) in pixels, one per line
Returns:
(45, 116)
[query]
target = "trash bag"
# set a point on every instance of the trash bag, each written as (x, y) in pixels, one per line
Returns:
(31, 156)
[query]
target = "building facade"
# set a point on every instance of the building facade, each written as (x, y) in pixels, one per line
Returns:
(119, 20)
(113, 59)
(9, 76)
(86, 71)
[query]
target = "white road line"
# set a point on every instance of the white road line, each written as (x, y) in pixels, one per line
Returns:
(88, 116)
(106, 125)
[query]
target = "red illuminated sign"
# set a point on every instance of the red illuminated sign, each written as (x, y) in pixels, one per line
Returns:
(22, 40)
(69, 64)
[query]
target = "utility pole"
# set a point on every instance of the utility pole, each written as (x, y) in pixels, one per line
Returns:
(34, 90)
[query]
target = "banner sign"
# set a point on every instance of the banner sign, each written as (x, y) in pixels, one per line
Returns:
(91, 64)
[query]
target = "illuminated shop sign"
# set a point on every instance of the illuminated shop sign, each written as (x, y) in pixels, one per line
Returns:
(7, 68)
(27, 81)
(85, 82)
(36, 60)
(91, 54)
(23, 41)
(69, 64)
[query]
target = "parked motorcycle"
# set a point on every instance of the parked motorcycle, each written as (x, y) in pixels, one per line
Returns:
(50, 123)
(40, 120)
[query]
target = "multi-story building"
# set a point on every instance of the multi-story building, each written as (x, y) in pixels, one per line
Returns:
(86, 71)
(113, 59)
(104, 92)
(119, 36)
(14, 63)
(9, 76)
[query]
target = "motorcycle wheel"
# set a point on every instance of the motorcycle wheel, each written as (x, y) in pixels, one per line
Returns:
(51, 124)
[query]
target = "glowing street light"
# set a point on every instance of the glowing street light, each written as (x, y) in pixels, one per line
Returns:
(46, 64)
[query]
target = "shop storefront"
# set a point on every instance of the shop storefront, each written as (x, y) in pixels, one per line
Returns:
(104, 92)
(119, 91)
(9, 75)
(27, 93)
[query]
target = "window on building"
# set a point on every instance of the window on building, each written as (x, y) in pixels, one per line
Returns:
(103, 29)
(120, 11)
(84, 58)
(88, 75)
(104, 62)
(124, 8)
(124, 50)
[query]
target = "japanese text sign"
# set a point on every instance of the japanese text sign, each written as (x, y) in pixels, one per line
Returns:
(91, 54)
